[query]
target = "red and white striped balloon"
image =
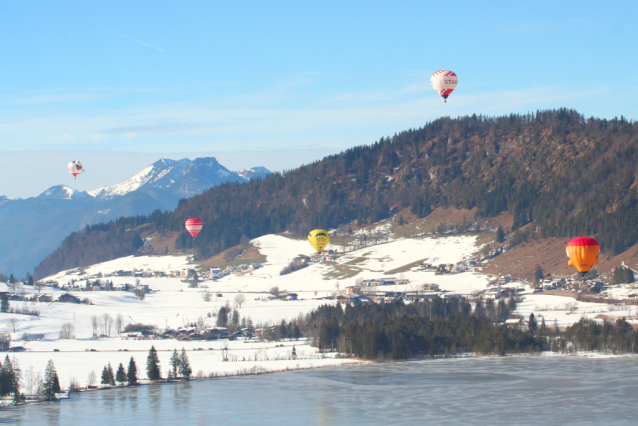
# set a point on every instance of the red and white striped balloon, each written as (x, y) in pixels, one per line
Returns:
(444, 82)
(193, 226)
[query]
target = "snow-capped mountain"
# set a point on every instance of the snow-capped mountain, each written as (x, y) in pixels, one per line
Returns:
(254, 173)
(36, 226)
(63, 192)
(184, 178)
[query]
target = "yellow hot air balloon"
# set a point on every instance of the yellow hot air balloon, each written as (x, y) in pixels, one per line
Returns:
(319, 239)
(583, 253)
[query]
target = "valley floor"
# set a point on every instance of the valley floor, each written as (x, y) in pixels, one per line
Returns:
(173, 304)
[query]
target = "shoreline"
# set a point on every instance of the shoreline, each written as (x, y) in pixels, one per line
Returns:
(259, 370)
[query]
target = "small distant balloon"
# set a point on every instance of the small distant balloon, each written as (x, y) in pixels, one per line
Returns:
(75, 168)
(319, 239)
(444, 82)
(194, 225)
(583, 253)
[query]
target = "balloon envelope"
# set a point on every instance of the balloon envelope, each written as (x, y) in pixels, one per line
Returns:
(193, 226)
(75, 168)
(444, 82)
(583, 253)
(319, 239)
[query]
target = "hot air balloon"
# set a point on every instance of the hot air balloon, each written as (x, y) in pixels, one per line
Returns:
(319, 239)
(444, 82)
(75, 168)
(583, 253)
(193, 226)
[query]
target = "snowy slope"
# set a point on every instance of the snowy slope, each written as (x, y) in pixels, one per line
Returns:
(63, 192)
(184, 178)
(148, 176)
(254, 173)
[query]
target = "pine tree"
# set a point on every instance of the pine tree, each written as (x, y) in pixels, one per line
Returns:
(105, 376)
(131, 373)
(185, 369)
(500, 235)
(283, 330)
(152, 365)
(51, 383)
(235, 319)
(538, 274)
(294, 353)
(120, 375)
(17, 377)
(7, 377)
(531, 324)
(4, 303)
(111, 375)
(222, 317)
(175, 362)
(296, 333)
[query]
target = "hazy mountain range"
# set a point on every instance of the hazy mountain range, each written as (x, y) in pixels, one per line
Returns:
(32, 228)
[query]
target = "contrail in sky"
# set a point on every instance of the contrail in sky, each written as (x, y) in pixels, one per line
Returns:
(141, 42)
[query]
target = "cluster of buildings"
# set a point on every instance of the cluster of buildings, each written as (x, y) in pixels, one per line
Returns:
(363, 294)
(496, 293)
(177, 273)
(570, 285)
(42, 298)
(448, 268)
(215, 273)
(374, 282)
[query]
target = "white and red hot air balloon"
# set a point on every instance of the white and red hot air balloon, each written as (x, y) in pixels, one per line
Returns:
(75, 168)
(193, 226)
(444, 82)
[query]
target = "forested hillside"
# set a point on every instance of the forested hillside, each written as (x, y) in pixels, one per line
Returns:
(562, 172)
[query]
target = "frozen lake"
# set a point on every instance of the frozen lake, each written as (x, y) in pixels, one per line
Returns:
(492, 391)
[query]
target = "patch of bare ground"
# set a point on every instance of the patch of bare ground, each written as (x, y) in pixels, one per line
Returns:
(223, 259)
(164, 242)
(549, 253)
(405, 268)
(448, 216)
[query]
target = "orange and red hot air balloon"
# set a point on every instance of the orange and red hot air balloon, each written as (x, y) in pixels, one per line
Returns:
(583, 253)
(193, 226)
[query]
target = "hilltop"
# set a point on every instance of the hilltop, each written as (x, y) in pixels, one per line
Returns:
(550, 173)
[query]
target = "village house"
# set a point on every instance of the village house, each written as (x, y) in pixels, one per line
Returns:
(353, 289)
(431, 287)
(68, 298)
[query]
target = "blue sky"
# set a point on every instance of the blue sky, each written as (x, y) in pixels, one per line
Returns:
(283, 83)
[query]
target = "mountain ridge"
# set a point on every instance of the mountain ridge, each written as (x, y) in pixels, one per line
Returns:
(555, 172)
(36, 226)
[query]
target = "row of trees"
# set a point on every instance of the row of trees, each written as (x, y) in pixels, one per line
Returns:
(11, 380)
(122, 377)
(180, 365)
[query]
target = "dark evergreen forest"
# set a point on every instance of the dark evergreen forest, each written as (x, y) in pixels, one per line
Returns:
(439, 327)
(564, 173)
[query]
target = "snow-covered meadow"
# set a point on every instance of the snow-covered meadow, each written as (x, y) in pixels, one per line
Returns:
(173, 304)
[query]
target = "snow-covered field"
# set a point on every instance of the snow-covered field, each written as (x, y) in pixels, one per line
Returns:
(75, 360)
(172, 304)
